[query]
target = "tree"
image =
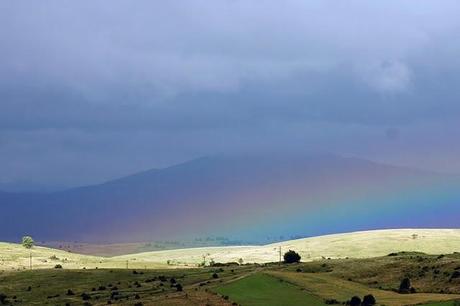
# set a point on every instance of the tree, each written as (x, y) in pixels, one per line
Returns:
(291, 257)
(240, 261)
(27, 242)
(369, 300)
(355, 301)
(405, 285)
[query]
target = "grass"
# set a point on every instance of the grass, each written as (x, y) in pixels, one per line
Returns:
(447, 303)
(364, 244)
(320, 278)
(428, 273)
(327, 286)
(50, 287)
(354, 245)
(263, 290)
(246, 285)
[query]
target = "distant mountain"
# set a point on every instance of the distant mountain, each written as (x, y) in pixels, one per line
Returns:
(29, 186)
(247, 197)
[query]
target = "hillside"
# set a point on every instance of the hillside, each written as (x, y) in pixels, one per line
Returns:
(245, 198)
(363, 244)
(353, 245)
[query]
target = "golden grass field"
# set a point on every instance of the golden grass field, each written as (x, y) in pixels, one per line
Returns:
(363, 244)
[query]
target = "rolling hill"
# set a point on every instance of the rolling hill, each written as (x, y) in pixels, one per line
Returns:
(246, 198)
(363, 244)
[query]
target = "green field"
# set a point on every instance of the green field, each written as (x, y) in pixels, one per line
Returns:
(447, 303)
(264, 290)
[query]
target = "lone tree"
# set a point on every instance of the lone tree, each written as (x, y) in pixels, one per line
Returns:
(291, 257)
(27, 242)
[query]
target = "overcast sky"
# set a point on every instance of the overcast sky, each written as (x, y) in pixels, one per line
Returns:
(91, 90)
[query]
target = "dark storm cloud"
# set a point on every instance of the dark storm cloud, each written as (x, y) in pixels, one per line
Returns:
(168, 81)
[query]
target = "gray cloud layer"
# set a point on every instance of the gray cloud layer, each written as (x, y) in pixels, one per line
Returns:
(91, 90)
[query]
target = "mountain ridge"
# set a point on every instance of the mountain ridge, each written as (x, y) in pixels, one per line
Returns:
(196, 195)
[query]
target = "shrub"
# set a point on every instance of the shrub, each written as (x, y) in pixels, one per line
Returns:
(355, 301)
(70, 292)
(3, 298)
(455, 274)
(58, 266)
(215, 275)
(27, 242)
(85, 296)
(405, 285)
(179, 287)
(331, 302)
(368, 300)
(291, 257)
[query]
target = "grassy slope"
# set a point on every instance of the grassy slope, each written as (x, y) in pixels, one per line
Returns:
(264, 290)
(428, 273)
(16, 257)
(49, 287)
(327, 286)
(355, 245)
(447, 303)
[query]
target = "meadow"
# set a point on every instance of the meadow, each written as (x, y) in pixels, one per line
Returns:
(337, 269)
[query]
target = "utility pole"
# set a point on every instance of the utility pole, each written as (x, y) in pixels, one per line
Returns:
(280, 255)
(127, 264)
(30, 261)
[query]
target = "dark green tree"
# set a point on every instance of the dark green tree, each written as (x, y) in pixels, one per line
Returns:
(405, 285)
(355, 301)
(368, 300)
(291, 257)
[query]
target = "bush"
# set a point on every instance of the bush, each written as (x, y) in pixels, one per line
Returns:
(27, 242)
(331, 302)
(355, 301)
(70, 292)
(405, 286)
(85, 296)
(58, 266)
(455, 274)
(179, 287)
(215, 275)
(3, 298)
(291, 257)
(368, 300)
